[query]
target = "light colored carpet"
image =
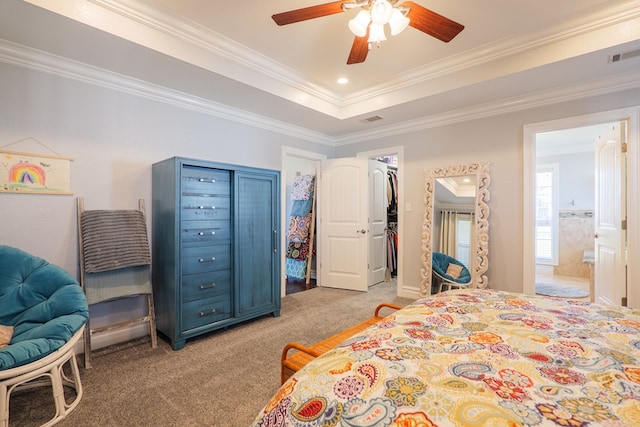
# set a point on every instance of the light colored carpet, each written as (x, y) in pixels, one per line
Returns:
(562, 291)
(220, 379)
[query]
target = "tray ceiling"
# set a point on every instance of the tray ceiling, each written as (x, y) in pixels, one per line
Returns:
(511, 54)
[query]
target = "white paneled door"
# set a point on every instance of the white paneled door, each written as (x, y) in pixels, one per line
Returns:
(610, 234)
(345, 225)
(377, 222)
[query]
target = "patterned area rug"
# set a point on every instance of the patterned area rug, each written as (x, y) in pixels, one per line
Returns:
(560, 291)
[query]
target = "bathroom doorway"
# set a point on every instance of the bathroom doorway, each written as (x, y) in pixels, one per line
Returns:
(624, 272)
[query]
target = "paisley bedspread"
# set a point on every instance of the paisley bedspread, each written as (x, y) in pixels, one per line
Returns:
(475, 358)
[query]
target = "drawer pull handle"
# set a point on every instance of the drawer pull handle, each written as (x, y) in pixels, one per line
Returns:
(274, 241)
(202, 233)
(206, 207)
(207, 259)
(213, 285)
(207, 180)
(206, 313)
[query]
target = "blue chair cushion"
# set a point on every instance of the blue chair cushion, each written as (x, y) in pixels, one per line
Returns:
(45, 305)
(440, 263)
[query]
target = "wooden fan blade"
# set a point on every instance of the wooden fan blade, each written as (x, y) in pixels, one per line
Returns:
(432, 23)
(359, 50)
(310, 12)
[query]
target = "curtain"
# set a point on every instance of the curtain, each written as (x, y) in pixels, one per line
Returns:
(457, 233)
(448, 232)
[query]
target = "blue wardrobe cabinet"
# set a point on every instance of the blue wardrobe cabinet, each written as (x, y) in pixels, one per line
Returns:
(215, 246)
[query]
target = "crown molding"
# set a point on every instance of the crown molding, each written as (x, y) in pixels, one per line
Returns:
(203, 47)
(617, 14)
(160, 30)
(211, 41)
(160, 19)
(25, 57)
(617, 83)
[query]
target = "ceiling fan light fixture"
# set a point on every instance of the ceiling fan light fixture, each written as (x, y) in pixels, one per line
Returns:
(398, 22)
(368, 24)
(359, 24)
(381, 12)
(376, 33)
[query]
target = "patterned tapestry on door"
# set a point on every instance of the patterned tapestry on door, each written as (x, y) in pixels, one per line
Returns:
(300, 245)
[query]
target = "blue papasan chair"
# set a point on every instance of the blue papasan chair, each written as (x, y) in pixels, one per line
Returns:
(42, 314)
(449, 272)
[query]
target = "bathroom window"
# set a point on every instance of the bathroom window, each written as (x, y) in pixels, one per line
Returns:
(547, 214)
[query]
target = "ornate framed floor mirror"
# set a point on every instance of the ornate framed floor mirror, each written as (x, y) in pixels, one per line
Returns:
(459, 194)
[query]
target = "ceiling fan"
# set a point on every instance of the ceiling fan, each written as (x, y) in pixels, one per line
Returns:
(368, 24)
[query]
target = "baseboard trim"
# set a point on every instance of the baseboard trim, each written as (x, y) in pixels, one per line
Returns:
(410, 292)
(115, 336)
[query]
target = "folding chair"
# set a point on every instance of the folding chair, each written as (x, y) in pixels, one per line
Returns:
(115, 262)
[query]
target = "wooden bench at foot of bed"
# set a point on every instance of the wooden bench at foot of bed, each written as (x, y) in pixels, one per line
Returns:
(291, 364)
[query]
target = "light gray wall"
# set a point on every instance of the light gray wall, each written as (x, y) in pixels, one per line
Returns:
(498, 140)
(577, 179)
(114, 138)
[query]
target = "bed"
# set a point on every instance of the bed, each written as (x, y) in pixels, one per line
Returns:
(474, 358)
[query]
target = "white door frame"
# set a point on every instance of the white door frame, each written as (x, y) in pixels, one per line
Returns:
(632, 116)
(284, 227)
(398, 151)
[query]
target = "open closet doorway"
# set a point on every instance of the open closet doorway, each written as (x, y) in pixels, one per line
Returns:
(298, 258)
(296, 161)
(578, 180)
(390, 233)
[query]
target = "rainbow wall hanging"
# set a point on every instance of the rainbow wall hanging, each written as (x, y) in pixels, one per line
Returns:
(34, 173)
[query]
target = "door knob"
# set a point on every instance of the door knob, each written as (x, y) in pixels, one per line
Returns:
(363, 231)
(595, 235)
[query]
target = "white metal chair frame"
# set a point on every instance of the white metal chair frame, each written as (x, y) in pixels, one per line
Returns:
(43, 372)
(444, 282)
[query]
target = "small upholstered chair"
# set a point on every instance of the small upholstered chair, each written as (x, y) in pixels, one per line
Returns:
(44, 310)
(449, 272)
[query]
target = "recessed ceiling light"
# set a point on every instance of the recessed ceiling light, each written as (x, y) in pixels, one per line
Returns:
(343, 80)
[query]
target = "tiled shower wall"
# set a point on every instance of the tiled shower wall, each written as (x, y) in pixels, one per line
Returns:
(575, 235)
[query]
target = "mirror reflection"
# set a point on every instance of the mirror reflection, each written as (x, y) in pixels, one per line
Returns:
(454, 212)
(455, 228)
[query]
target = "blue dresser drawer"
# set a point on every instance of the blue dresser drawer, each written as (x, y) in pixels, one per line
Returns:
(205, 311)
(206, 285)
(212, 232)
(205, 258)
(206, 180)
(201, 207)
